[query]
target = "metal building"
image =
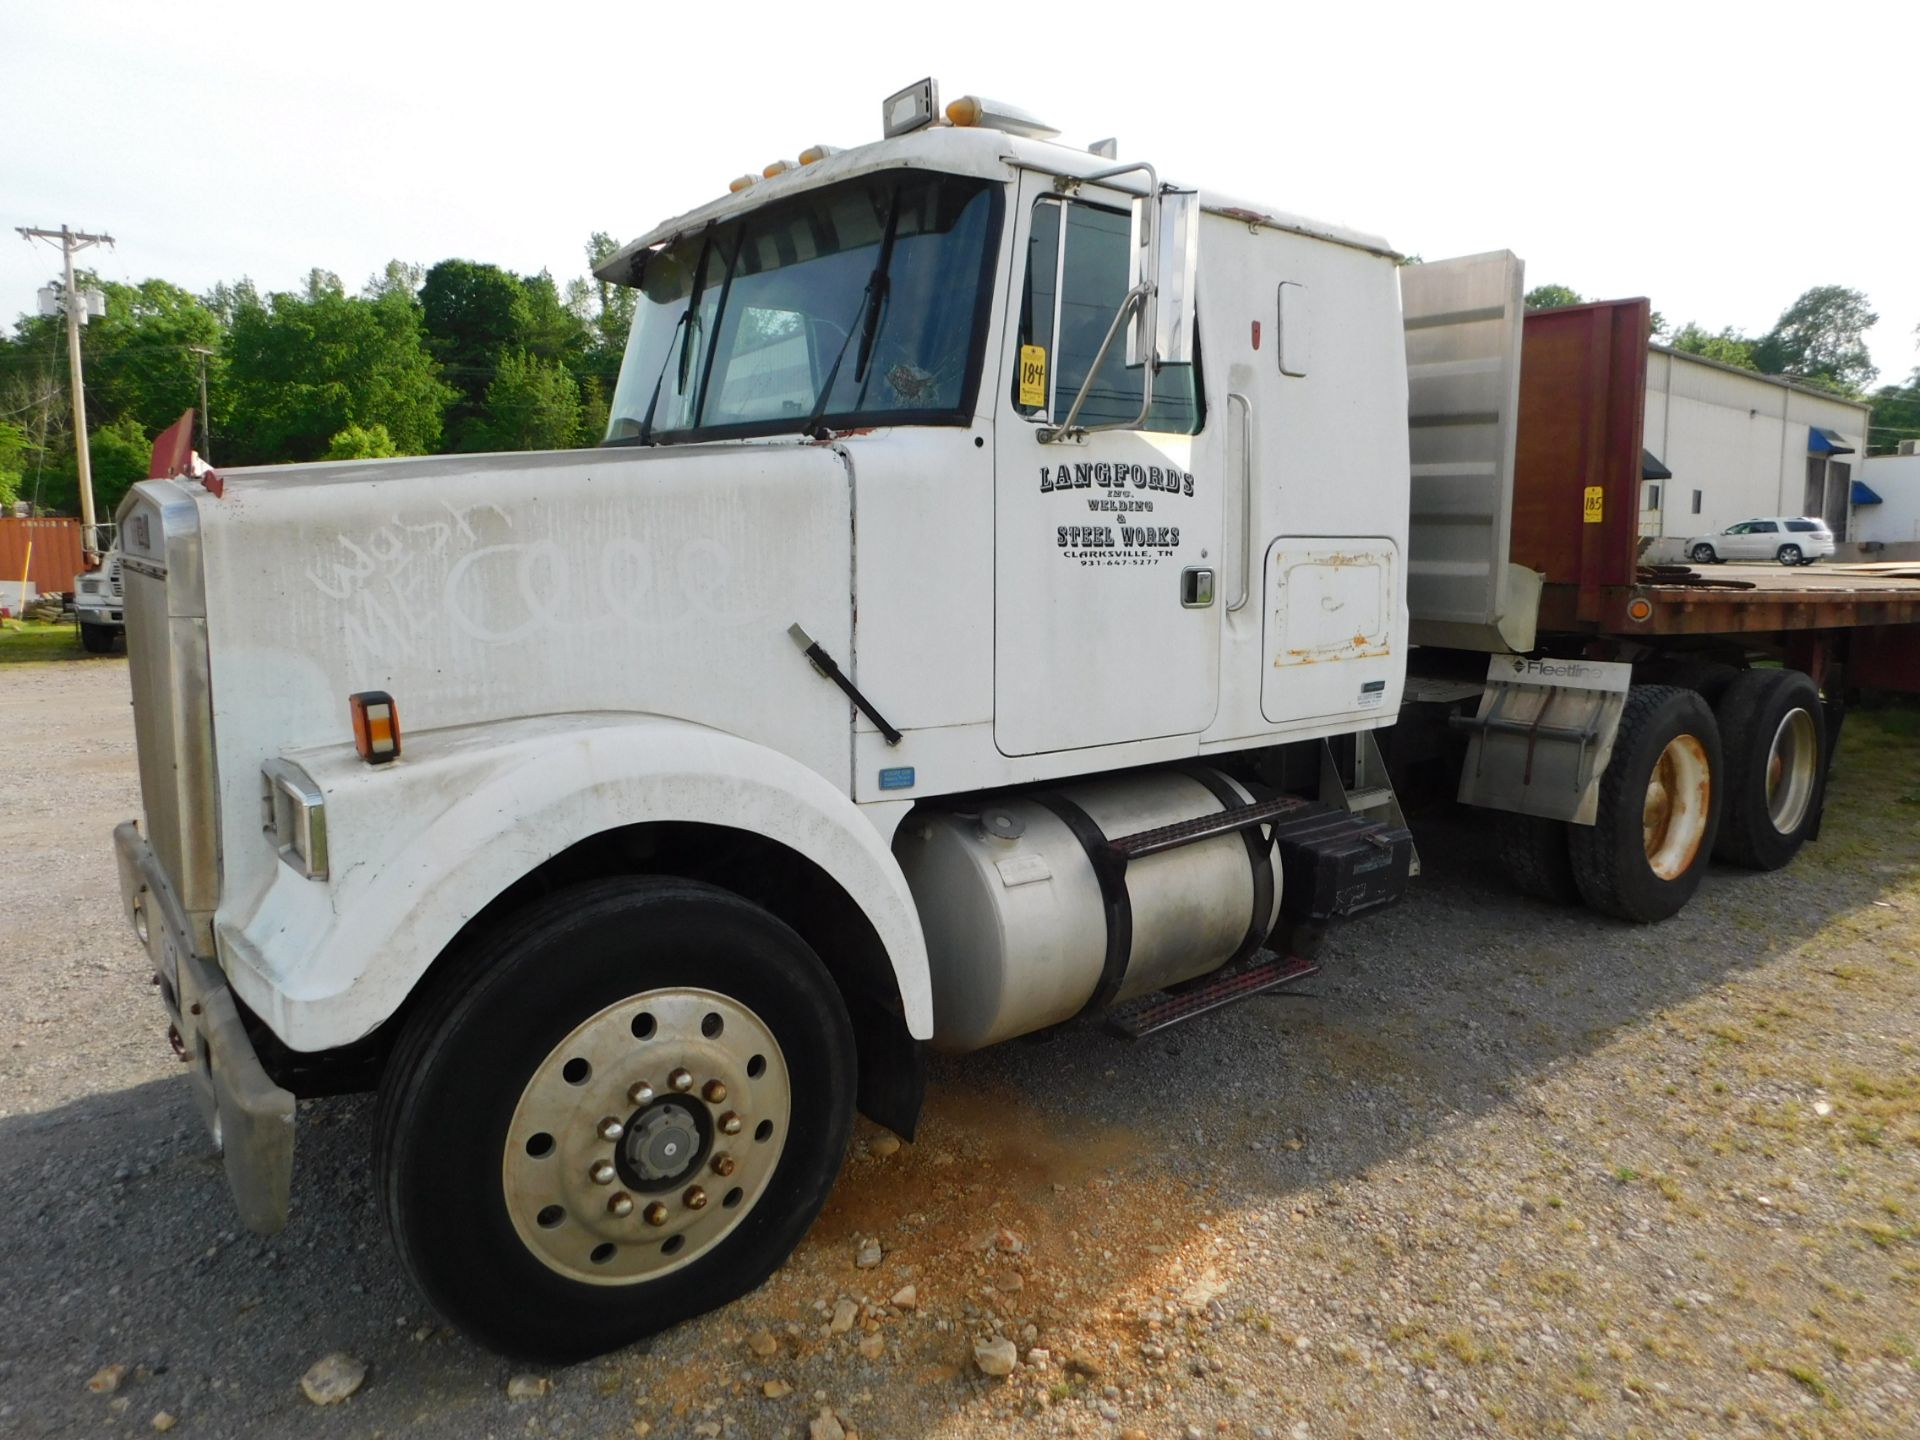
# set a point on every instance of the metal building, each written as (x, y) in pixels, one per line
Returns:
(1735, 444)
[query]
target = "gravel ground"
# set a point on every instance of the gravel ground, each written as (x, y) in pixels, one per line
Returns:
(1512, 1170)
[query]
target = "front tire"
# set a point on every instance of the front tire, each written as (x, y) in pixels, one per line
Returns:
(97, 639)
(1703, 555)
(624, 1109)
(1659, 812)
(1775, 731)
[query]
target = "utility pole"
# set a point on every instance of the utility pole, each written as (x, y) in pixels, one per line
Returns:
(206, 420)
(70, 242)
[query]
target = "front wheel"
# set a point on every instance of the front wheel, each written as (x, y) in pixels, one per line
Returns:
(1703, 555)
(624, 1110)
(97, 639)
(1659, 810)
(1790, 555)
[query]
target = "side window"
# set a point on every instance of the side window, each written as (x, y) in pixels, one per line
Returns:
(1766, 527)
(1076, 277)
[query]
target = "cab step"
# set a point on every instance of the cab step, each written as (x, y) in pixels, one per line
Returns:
(1166, 1008)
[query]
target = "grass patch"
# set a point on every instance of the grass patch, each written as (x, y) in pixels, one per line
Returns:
(25, 642)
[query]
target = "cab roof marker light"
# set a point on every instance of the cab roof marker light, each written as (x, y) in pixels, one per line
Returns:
(814, 154)
(778, 167)
(741, 182)
(376, 726)
(913, 108)
(982, 113)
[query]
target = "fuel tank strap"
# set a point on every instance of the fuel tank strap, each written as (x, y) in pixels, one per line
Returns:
(1259, 853)
(1112, 877)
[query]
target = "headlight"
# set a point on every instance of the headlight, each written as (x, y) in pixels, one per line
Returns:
(294, 816)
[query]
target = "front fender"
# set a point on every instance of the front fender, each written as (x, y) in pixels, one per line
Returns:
(420, 846)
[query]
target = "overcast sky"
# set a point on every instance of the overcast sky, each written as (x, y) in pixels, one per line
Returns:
(1713, 157)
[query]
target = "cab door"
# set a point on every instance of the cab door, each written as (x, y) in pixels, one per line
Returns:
(1107, 549)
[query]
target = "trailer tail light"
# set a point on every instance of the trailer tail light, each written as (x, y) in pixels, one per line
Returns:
(376, 726)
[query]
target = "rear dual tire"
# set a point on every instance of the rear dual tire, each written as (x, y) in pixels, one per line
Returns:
(1775, 733)
(1659, 808)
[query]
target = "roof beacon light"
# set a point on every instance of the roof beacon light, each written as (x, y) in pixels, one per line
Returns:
(913, 108)
(778, 167)
(977, 110)
(376, 726)
(814, 154)
(741, 182)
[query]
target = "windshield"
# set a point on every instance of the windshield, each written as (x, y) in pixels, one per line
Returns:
(857, 304)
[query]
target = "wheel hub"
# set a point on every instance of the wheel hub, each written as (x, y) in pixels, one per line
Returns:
(665, 1143)
(645, 1136)
(1673, 818)
(1791, 764)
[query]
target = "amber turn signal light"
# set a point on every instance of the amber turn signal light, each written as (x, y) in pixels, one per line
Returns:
(376, 726)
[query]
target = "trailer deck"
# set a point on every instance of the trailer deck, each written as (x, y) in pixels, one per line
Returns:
(1738, 599)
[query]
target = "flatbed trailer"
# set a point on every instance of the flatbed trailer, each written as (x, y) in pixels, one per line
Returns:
(1531, 598)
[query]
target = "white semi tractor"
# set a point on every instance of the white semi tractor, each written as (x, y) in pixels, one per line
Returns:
(980, 616)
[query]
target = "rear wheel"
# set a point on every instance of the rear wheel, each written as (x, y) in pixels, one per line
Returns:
(1775, 732)
(1790, 555)
(626, 1111)
(1533, 852)
(1703, 555)
(1659, 809)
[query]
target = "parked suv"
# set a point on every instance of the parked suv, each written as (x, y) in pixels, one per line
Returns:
(96, 601)
(1790, 539)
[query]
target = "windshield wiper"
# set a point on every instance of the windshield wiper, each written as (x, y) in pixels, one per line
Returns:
(691, 325)
(866, 318)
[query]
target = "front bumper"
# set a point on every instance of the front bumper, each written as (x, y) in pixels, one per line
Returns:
(251, 1118)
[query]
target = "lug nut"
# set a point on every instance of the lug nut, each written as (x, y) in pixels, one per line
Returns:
(695, 1198)
(723, 1165)
(680, 1080)
(729, 1124)
(656, 1214)
(714, 1092)
(640, 1094)
(611, 1129)
(620, 1203)
(602, 1172)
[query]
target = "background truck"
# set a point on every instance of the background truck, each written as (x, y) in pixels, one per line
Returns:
(984, 614)
(97, 605)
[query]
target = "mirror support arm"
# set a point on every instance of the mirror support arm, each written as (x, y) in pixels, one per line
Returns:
(1141, 297)
(1066, 429)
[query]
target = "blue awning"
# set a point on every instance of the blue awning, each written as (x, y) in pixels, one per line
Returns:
(1821, 441)
(1863, 494)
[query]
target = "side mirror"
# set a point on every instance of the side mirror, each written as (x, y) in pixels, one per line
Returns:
(1162, 328)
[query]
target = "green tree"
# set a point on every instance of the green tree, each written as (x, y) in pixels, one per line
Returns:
(1729, 347)
(140, 356)
(532, 404)
(1821, 339)
(13, 461)
(474, 314)
(301, 369)
(118, 455)
(1553, 297)
(361, 442)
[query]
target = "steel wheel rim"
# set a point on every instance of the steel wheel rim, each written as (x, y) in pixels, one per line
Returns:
(1673, 818)
(666, 1078)
(1790, 769)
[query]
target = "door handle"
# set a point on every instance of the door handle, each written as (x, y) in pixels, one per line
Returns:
(1246, 501)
